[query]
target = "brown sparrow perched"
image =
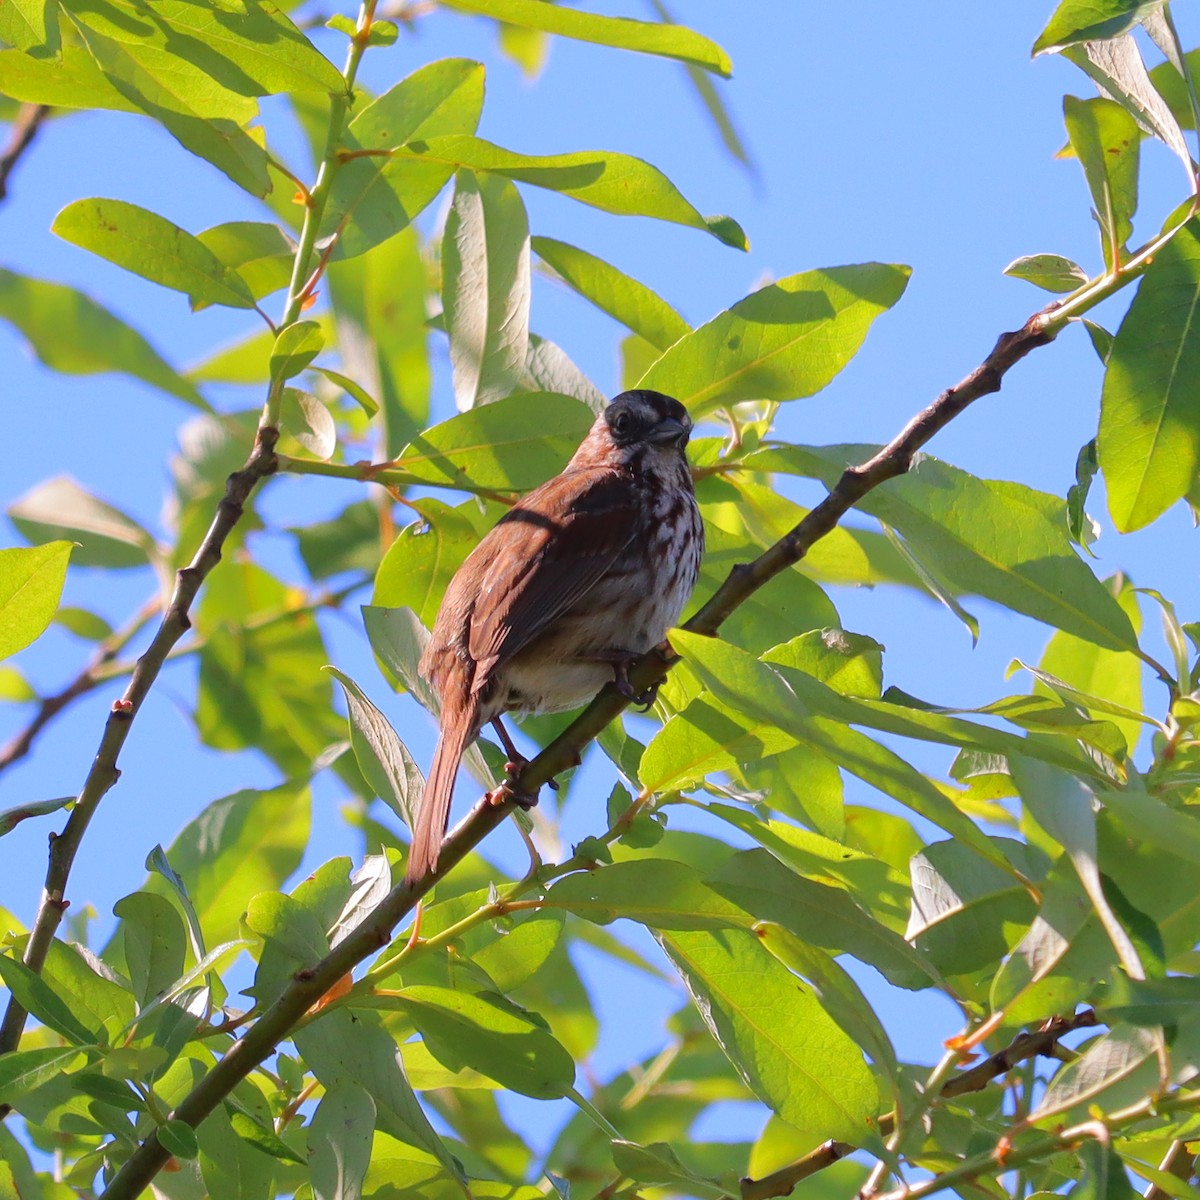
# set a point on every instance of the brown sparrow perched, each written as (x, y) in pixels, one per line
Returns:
(582, 576)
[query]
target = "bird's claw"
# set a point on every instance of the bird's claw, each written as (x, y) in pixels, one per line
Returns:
(506, 794)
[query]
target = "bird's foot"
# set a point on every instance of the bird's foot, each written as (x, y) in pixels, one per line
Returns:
(509, 789)
(621, 661)
(506, 793)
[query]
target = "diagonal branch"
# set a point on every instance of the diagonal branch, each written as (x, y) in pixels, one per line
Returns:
(104, 771)
(373, 935)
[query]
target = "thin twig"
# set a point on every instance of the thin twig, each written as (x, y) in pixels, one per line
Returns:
(1179, 1162)
(87, 679)
(105, 666)
(24, 130)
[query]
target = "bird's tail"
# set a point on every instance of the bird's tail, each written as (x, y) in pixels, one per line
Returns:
(434, 814)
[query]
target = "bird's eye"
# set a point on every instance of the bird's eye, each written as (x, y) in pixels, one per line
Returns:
(621, 423)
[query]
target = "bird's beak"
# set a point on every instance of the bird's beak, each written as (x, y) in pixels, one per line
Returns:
(670, 432)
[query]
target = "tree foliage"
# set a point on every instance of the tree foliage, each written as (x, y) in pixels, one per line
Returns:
(1043, 885)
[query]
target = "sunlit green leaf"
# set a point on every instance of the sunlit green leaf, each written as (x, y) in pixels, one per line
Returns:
(785, 341)
(382, 757)
(31, 582)
(491, 1035)
(1089, 20)
(612, 182)
(151, 246)
(375, 196)
(1106, 141)
(1000, 540)
(486, 288)
(1049, 271)
(1149, 441)
(776, 1034)
(612, 291)
(669, 41)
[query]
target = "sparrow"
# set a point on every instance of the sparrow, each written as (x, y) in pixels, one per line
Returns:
(575, 582)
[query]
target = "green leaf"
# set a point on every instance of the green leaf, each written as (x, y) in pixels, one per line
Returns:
(354, 390)
(612, 291)
(73, 80)
(260, 682)
(178, 1138)
(239, 845)
(548, 368)
(383, 758)
(1000, 540)
(1150, 1002)
(840, 996)
(1056, 963)
(776, 1034)
(1051, 272)
(83, 624)
(344, 1048)
(513, 444)
(1106, 1061)
(296, 347)
(374, 197)
(486, 288)
(155, 943)
(10, 818)
(1080, 527)
(1106, 141)
(420, 562)
(1116, 66)
(71, 333)
(648, 37)
(32, 26)
(261, 254)
(106, 537)
(961, 907)
(612, 182)
(31, 583)
(1063, 806)
(1091, 20)
(204, 117)
(828, 917)
(306, 422)
(23, 1070)
(754, 689)
(785, 341)
(36, 996)
(383, 331)
(658, 1164)
(339, 1142)
(150, 246)
(491, 1035)
(238, 45)
(1149, 440)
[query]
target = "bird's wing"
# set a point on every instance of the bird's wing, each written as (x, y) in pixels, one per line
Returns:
(547, 552)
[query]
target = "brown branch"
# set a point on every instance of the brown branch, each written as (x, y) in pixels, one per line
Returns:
(24, 130)
(373, 935)
(87, 679)
(104, 771)
(1023, 1046)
